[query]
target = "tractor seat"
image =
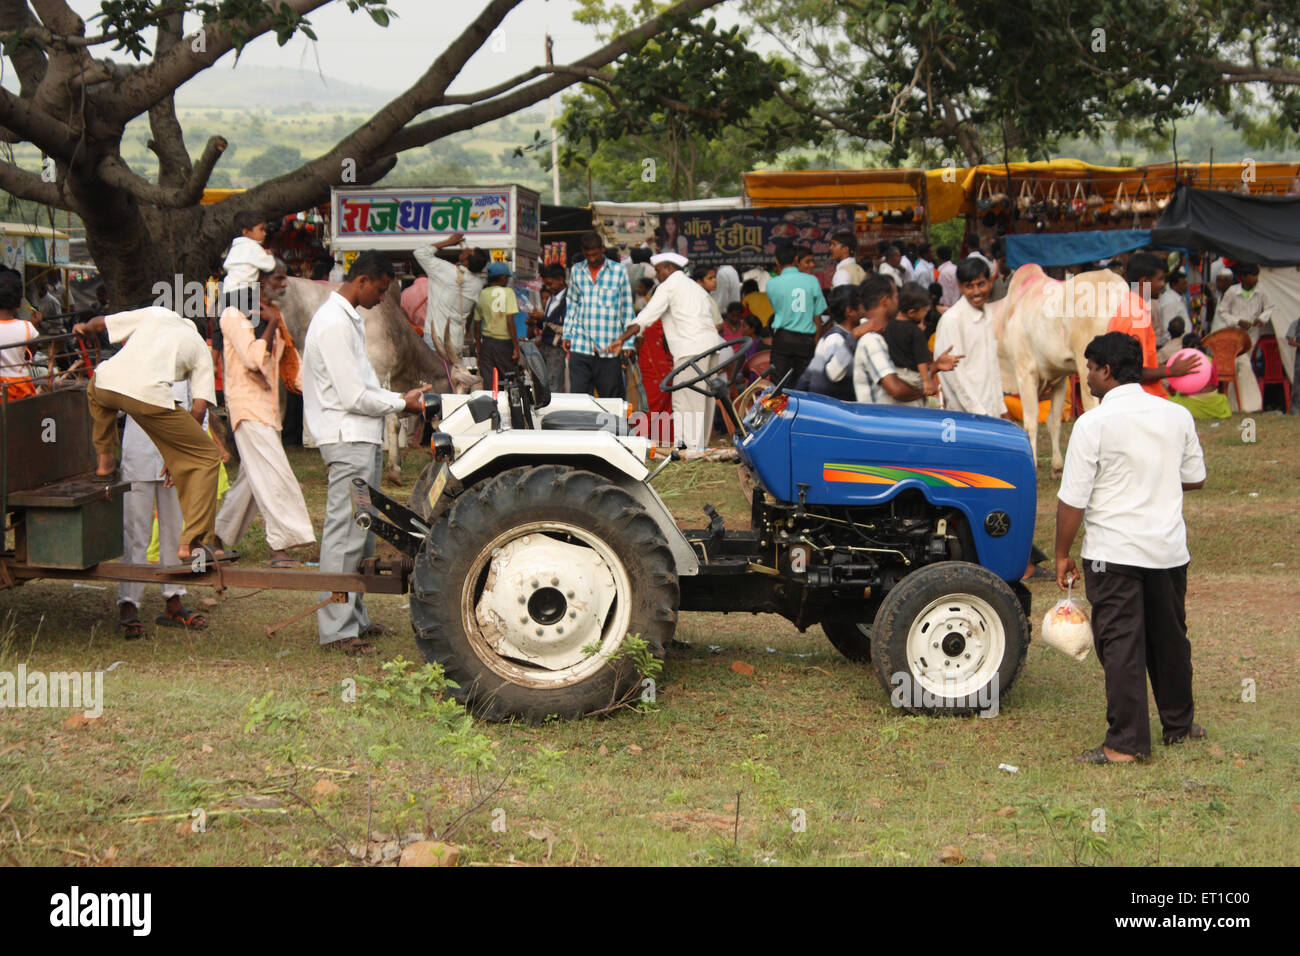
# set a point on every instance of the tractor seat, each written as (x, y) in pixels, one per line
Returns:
(582, 420)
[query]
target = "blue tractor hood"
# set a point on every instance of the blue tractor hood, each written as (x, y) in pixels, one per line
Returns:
(846, 454)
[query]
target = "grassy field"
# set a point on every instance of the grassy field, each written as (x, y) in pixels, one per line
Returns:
(226, 747)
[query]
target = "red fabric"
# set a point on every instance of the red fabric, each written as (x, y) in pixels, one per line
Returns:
(656, 362)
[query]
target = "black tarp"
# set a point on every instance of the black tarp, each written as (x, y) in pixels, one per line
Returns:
(1259, 229)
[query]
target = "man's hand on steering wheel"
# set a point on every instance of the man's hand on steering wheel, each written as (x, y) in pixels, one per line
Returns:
(740, 345)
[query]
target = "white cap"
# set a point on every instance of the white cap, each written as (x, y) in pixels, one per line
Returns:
(678, 260)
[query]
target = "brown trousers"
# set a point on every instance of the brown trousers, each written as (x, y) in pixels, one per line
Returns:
(186, 450)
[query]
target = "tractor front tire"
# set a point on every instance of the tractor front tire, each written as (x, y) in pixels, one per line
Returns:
(527, 588)
(950, 638)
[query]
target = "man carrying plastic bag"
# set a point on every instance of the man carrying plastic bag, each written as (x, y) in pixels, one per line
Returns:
(1129, 461)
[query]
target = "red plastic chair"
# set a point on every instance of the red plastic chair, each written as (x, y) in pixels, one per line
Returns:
(1225, 345)
(1274, 371)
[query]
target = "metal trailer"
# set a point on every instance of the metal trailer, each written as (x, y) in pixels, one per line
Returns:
(63, 522)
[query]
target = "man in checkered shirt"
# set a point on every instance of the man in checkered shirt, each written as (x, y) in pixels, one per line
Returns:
(599, 310)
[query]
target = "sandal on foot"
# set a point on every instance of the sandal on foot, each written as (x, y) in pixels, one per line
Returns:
(375, 630)
(1098, 756)
(285, 563)
(131, 627)
(352, 646)
(1197, 732)
(183, 617)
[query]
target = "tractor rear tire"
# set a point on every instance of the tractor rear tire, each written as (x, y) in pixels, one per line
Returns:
(949, 638)
(849, 630)
(520, 557)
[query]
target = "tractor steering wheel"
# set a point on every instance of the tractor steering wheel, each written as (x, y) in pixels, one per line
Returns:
(741, 345)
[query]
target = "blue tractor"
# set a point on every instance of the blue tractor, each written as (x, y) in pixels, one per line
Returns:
(539, 543)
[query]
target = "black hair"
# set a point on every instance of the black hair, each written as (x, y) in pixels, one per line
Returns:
(733, 307)
(11, 290)
(802, 252)
(786, 254)
(882, 246)
(1178, 275)
(699, 272)
(944, 253)
(924, 250)
(755, 325)
(646, 281)
(913, 296)
(841, 298)
(1191, 341)
(891, 250)
(640, 254)
(748, 286)
(591, 240)
(1120, 352)
(554, 271)
(372, 264)
(246, 219)
(1245, 269)
(972, 268)
(845, 238)
(1143, 265)
(935, 290)
(1176, 326)
(478, 260)
(875, 288)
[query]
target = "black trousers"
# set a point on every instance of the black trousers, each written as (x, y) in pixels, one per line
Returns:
(596, 375)
(495, 354)
(1139, 628)
(791, 352)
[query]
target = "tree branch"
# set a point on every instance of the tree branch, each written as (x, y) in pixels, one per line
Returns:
(168, 71)
(114, 171)
(1281, 76)
(419, 134)
(28, 60)
(168, 142)
(34, 125)
(27, 185)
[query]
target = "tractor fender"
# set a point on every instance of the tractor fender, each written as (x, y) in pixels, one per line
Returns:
(619, 459)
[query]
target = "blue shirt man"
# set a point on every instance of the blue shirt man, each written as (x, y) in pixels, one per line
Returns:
(797, 300)
(598, 310)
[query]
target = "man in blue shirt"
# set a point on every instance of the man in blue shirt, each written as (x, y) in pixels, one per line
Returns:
(797, 300)
(598, 310)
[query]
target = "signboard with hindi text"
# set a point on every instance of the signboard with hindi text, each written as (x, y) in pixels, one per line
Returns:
(401, 218)
(749, 237)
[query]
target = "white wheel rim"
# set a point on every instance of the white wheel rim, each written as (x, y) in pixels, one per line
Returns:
(546, 604)
(955, 645)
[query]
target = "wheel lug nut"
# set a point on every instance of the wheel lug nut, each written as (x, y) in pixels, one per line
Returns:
(523, 620)
(570, 594)
(573, 615)
(554, 581)
(534, 584)
(967, 657)
(522, 599)
(935, 644)
(559, 630)
(539, 632)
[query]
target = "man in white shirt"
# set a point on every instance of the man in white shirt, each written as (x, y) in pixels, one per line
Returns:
(1245, 306)
(453, 292)
(923, 270)
(689, 328)
(161, 348)
(847, 270)
(1173, 304)
(967, 329)
(727, 288)
(947, 277)
(1130, 460)
(344, 409)
(892, 266)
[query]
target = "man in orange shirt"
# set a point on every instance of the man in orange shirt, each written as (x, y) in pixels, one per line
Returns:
(1146, 279)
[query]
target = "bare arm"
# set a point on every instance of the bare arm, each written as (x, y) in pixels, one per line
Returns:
(1068, 519)
(93, 327)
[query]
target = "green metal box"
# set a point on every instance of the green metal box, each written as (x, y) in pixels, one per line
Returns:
(73, 524)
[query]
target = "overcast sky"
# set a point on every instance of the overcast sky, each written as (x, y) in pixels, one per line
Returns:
(352, 47)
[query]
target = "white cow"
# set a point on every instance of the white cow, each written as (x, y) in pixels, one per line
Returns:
(401, 359)
(1043, 326)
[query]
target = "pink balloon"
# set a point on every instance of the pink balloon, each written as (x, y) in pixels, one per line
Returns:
(1195, 380)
